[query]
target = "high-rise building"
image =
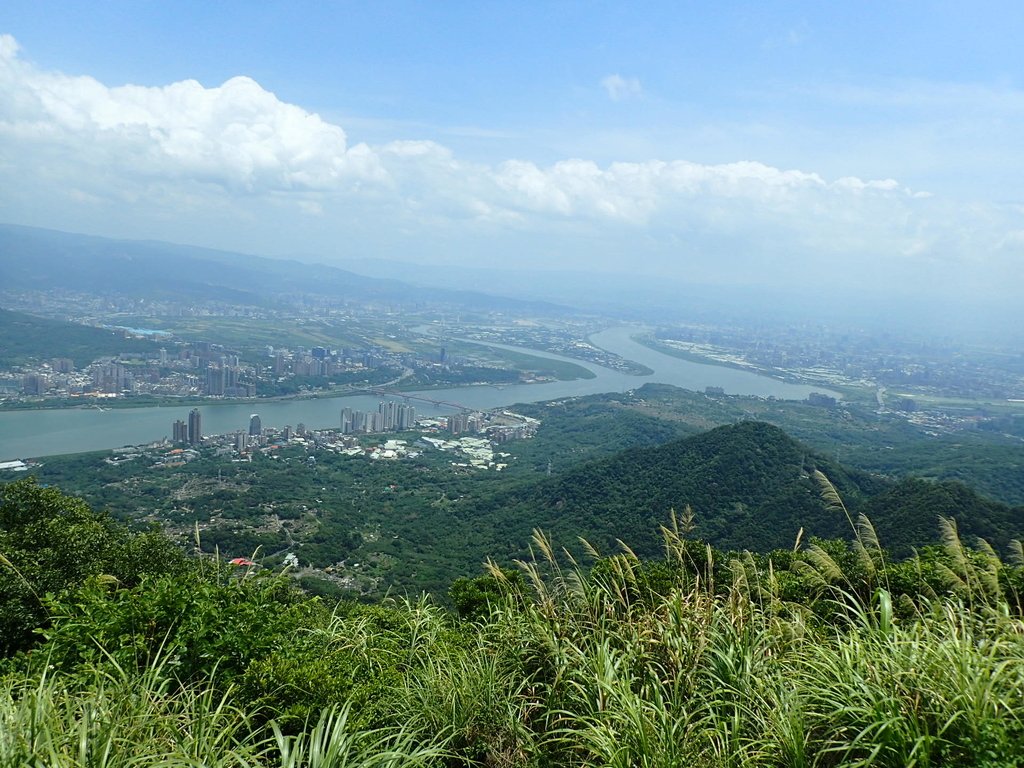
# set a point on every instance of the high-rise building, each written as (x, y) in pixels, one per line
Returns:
(34, 384)
(255, 425)
(215, 381)
(359, 422)
(406, 418)
(195, 427)
(387, 414)
(346, 421)
(376, 422)
(241, 440)
(180, 431)
(458, 423)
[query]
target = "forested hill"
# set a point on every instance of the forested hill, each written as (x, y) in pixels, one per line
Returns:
(904, 515)
(26, 337)
(750, 486)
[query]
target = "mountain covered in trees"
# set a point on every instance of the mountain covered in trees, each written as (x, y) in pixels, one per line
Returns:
(748, 485)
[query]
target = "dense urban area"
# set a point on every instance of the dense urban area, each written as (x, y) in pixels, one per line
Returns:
(385, 349)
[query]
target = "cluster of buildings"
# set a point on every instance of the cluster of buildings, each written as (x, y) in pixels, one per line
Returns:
(389, 417)
(842, 355)
(473, 436)
(204, 369)
(320, 361)
(190, 432)
(474, 452)
(194, 369)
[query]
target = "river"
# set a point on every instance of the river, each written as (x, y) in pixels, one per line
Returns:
(31, 434)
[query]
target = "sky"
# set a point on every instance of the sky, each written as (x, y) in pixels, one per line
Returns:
(837, 149)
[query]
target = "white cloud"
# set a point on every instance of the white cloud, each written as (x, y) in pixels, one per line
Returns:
(1012, 241)
(620, 88)
(258, 170)
(237, 135)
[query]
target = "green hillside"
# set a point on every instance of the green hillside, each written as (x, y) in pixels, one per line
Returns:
(905, 514)
(26, 337)
(415, 525)
(118, 651)
(988, 458)
(750, 486)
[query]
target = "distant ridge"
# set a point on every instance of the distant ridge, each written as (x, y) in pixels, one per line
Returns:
(40, 259)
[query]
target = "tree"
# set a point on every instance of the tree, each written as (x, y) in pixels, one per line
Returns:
(50, 543)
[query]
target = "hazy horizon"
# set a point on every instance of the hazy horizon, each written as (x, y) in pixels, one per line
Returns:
(820, 154)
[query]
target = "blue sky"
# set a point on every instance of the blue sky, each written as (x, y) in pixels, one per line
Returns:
(783, 142)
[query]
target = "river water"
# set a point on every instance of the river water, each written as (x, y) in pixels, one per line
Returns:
(31, 434)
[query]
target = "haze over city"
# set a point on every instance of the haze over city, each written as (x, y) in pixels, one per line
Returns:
(791, 152)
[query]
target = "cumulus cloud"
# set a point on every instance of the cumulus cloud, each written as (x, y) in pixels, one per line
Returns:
(619, 88)
(237, 134)
(245, 140)
(638, 192)
(236, 152)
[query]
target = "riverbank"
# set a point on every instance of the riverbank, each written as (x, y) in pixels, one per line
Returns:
(848, 391)
(35, 433)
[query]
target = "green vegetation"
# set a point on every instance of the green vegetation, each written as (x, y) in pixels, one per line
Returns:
(461, 375)
(751, 487)
(252, 333)
(616, 468)
(521, 361)
(27, 337)
(397, 524)
(50, 543)
(988, 457)
(829, 654)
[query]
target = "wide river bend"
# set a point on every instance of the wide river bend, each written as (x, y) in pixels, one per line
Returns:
(31, 434)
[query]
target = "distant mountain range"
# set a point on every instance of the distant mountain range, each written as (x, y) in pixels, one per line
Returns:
(42, 259)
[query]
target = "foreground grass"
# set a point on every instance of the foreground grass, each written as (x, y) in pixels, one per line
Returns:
(124, 720)
(687, 662)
